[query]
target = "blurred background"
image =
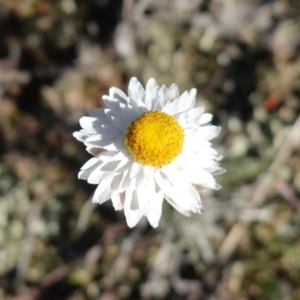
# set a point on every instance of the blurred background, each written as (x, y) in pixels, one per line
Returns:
(58, 57)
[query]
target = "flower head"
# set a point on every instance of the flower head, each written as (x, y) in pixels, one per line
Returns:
(149, 146)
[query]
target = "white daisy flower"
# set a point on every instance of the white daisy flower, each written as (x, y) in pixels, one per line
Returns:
(149, 146)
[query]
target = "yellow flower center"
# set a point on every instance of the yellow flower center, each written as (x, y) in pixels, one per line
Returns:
(154, 139)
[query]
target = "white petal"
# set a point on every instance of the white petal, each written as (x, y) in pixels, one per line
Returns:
(163, 183)
(112, 104)
(92, 162)
(84, 174)
(156, 209)
(81, 135)
(125, 183)
(152, 86)
(115, 184)
(207, 132)
(95, 176)
(97, 136)
(185, 102)
(109, 166)
(151, 92)
(215, 170)
(138, 106)
(129, 113)
(191, 117)
(186, 196)
(183, 211)
(134, 201)
(118, 94)
(144, 193)
(117, 145)
(118, 198)
(97, 125)
(108, 155)
(195, 113)
(124, 165)
(100, 115)
(120, 123)
(148, 171)
(139, 179)
(93, 150)
(121, 172)
(87, 123)
(162, 97)
(173, 92)
(202, 177)
(136, 168)
(205, 118)
(103, 190)
(132, 216)
(105, 142)
(136, 91)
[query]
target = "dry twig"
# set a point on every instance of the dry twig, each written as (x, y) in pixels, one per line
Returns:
(156, 284)
(288, 194)
(259, 194)
(122, 261)
(28, 241)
